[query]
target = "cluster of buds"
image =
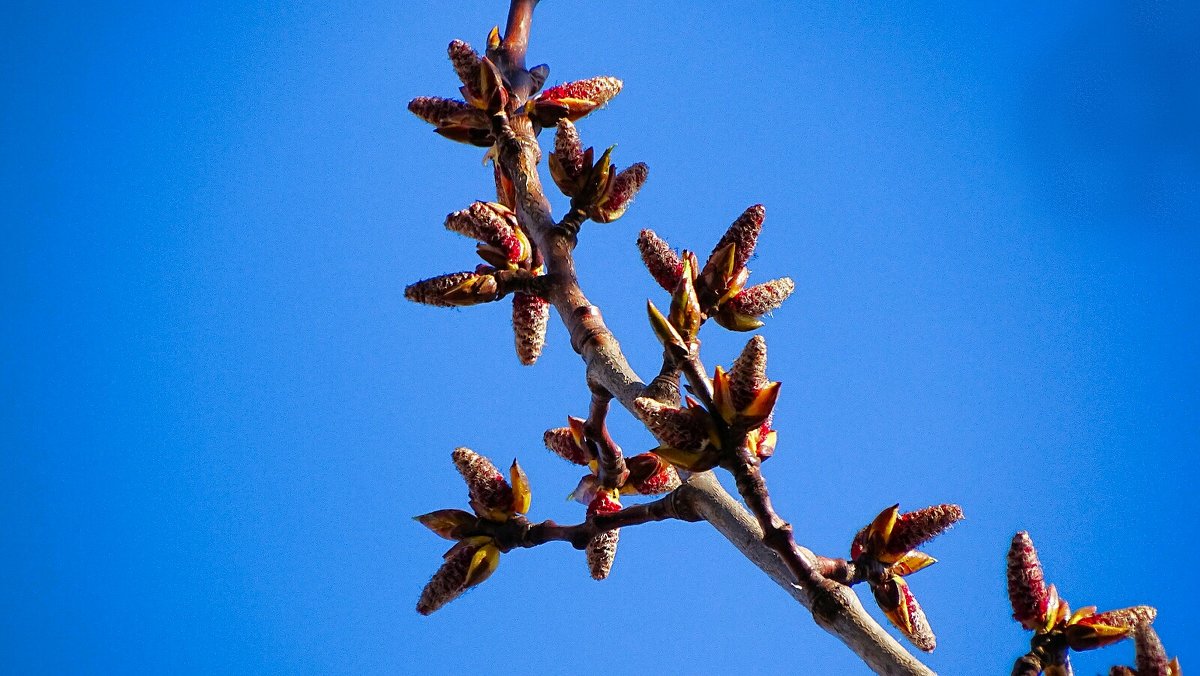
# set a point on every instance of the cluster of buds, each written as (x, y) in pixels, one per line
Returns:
(1057, 630)
(1150, 656)
(887, 549)
(742, 405)
(506, 250)
(486, 92)
(720, 286)
(596, 188)
(648, 475)
(474, 555)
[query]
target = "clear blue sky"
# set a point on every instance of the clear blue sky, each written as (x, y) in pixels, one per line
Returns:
(219, 413)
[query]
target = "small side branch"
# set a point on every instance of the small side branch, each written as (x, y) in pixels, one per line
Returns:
(611, 462)
(518, 532)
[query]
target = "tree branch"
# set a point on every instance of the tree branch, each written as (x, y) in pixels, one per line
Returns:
(840, 612)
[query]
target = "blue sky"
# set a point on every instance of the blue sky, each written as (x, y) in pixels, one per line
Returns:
(220, 413)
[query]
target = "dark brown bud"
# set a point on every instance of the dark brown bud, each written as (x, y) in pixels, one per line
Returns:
(466, 64)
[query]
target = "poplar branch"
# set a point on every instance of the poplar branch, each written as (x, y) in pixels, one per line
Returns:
(768, 544)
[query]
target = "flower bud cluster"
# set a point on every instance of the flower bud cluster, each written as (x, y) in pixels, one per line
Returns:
(720, 285)
(474, 555)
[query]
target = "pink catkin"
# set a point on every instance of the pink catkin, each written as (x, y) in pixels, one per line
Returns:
(914, 529)
(1127, 618)
(486, 486)
(568, 148)
(744, 234)
(1151, 657)
(660, 259)
(748, 374)
(531, 316)
(922, 634)
(430, 291)
(678, 428)
(1026, 582)
(599, 90)
(488, 222)
(602, 549)
(562, 442)
(448, 582)
(760, 299)
(625, 186)
(441, 112)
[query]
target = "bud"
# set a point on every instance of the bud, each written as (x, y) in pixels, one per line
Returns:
(531, 316)
(567, 442)
(719, 278)
(911, 563)
(650, 475)
(538, 75)
(478, 289)
(743, 233)
(664, 330)
(475, 136)
(1122, 671)
(452, 524)
(660, 259)
(685, 306)
(492, 90)
(457, 288)
(758, 300)
(903, 611)
(686, 429)
(522, 494)
(602, 549)
(467, 564)
(1026, 583)
(442, 112)
(597, 182)
(914, 529)
(620, 194)
(491, 496)
(1093, 636)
